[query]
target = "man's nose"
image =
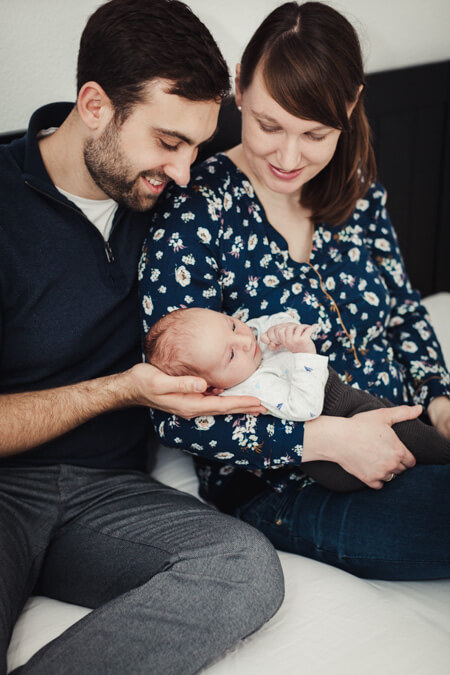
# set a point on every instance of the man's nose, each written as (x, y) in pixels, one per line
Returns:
(179, 169)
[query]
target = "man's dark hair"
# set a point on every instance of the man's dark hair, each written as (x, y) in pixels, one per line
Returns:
(127, 43)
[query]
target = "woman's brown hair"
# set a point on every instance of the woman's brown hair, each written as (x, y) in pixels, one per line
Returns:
(312, 67)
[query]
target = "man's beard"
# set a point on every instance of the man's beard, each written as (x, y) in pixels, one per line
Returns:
(111, 171)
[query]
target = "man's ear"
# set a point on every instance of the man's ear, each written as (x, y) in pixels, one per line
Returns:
(237, 85)
(94, 106)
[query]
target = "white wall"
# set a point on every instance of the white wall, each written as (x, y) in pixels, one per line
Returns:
(39, 41)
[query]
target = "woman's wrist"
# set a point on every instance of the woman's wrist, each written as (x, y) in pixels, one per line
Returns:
(321, 438)
(437, 406)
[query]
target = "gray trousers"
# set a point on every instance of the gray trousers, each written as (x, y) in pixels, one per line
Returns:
(173, 583)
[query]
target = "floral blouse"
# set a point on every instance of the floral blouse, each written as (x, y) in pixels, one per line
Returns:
(210, 245)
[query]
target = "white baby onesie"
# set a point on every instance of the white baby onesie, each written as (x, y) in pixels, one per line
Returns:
(290, 386)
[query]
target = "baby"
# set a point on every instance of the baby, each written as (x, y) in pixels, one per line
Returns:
(274, 359)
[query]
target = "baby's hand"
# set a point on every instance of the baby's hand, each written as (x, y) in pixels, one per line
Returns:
(294, 337)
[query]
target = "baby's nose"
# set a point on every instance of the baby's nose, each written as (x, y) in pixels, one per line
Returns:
(246, 342)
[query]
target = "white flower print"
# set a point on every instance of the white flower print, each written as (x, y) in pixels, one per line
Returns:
(204, 423)
(382, 244)
(227, 278)
(214, 208)
(188, 259)
(227, 201)
(362, 204)
(354, 254)
(271, 280)
(252, 286)
(432, 353)
(298, 449)
(162, 289)
(242, 315)
(188, 299)
(226, 470)
(182, 276)
(224, 455)
(423, 330)
(371, 298)
(159, 255)
(212, 262)
(176, 242)
(347, 279)
(408, 346)
(159, 234)
(248, 189)
(147, 305)
(187, 216)
(285, 296)
(154, 274)
(237, 247)
(265, 260)
(204, 235)
(196, 446)
(209, 292)
(252, 241)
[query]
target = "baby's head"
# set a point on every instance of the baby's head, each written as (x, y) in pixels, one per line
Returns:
(202, 342)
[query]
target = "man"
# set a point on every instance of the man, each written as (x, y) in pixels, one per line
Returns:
(173, 582)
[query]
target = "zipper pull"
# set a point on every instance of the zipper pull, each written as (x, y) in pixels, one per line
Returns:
(109, 253)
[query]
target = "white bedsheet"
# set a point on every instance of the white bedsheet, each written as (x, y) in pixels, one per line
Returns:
(331, 623)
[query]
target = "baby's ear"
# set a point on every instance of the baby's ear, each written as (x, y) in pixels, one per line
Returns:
(213, 391)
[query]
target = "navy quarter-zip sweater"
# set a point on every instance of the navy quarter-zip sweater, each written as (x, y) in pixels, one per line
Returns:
(68, 303)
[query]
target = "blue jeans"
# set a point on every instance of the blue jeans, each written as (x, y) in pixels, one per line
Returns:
(401, 532)
(173, 583)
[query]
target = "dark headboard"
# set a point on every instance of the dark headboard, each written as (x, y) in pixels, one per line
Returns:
(409, 113)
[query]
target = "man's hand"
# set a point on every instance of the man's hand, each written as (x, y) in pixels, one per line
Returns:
(296, 338)
(439, 414)
(185, 396)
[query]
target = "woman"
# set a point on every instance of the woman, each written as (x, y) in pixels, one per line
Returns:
(290, 220)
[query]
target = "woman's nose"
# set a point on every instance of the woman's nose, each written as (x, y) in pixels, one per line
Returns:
(289, 155)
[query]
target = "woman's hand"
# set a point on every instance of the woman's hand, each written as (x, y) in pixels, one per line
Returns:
(183, 396)
(364, 445)
(439, 414)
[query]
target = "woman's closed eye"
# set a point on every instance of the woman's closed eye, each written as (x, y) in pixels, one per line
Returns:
(315, 137)
(268, 130)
